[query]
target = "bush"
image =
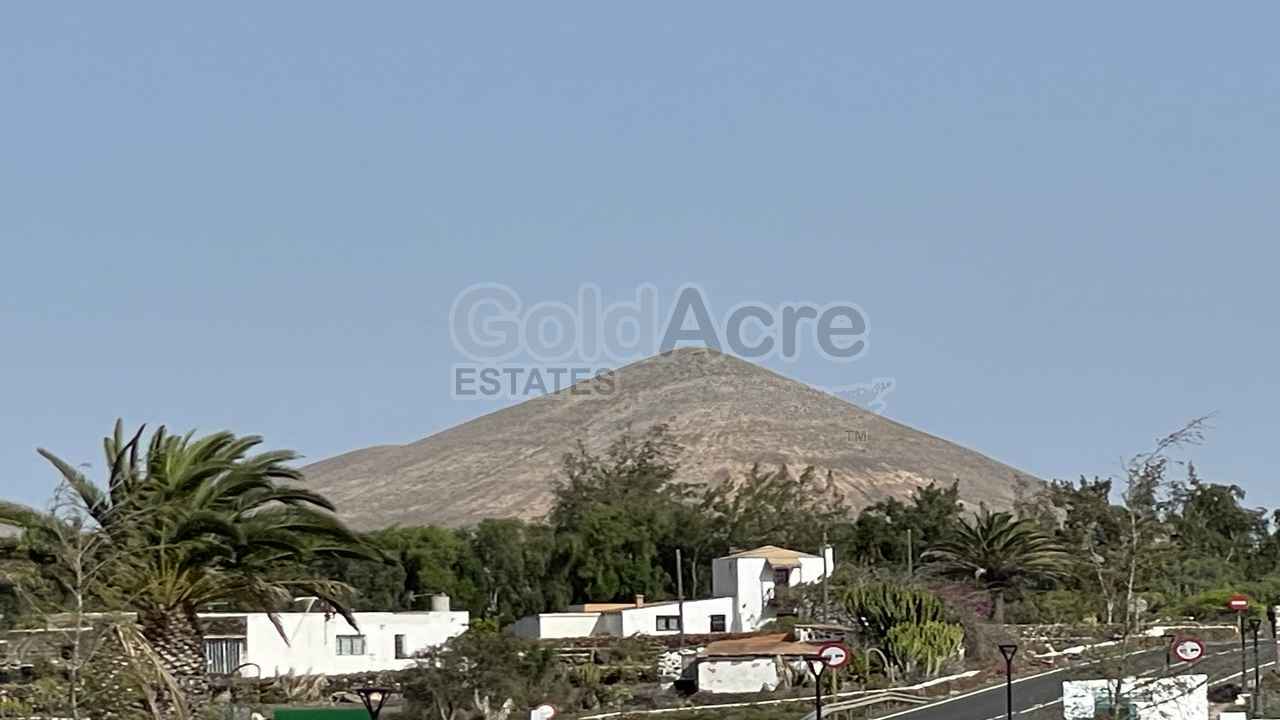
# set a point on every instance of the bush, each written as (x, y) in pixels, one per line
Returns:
(480, 665)
(1212, 605)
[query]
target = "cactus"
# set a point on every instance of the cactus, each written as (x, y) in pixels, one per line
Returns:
(924, 647)
(879, 607)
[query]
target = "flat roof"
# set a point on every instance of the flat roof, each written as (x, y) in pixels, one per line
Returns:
(771, 644)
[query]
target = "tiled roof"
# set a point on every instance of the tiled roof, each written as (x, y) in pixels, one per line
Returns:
(769, 645)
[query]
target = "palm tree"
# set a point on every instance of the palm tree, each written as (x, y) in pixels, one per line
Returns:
(1000, 552)
(194, 521)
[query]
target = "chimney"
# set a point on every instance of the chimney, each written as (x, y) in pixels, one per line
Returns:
(639, 600)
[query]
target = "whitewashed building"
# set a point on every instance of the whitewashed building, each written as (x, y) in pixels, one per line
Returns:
(626, 619)
(752, 664)
(324, 643)
(758, 581)
(748, 588)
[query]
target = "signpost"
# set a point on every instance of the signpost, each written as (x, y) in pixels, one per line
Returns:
(1239, 604)
(832, 655)
(1188, 650)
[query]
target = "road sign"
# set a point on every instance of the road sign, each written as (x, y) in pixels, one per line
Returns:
(1238, 603)
(542, 712)
(1188, 649)
(834, 655)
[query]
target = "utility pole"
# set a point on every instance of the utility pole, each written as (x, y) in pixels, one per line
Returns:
(826, 576)
(680, 592)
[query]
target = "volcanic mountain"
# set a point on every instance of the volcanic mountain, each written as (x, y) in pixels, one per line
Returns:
(726, 413)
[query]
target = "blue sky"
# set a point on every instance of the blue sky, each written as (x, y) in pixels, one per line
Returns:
(1061, 221)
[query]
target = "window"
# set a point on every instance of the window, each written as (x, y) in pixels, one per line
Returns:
(350, 644)
(782, 577)
(401, 653)
(222, 655)
(717, 623)
(668, 622)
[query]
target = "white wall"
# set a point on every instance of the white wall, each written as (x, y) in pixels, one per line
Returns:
(1185, 697)
(312, 640)
(642, 620)
(744, 579)
(697, 617)
(810, 571)
(737, 675)
(547, 626)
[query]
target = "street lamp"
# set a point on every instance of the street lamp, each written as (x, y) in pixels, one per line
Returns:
(1254, 624)
(374, 698)
(1008, 650)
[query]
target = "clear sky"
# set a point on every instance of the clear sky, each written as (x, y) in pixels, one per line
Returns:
(1061, 221)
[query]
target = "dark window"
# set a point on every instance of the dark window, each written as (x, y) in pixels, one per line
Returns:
(781, 577)
(350, 644)
(222, 655)
(717, 623)
(401, 653)
(668, 622)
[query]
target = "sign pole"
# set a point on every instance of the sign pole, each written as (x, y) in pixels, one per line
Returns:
(1244, 657)
(1008, 651)
(1254, 625)
(680, 592)
(830, 657)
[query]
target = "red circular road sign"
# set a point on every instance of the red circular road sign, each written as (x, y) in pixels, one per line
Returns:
(834, 655)
(1188, 649)
(1238, 603)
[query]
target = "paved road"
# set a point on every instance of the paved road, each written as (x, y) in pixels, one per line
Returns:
(1040, 696)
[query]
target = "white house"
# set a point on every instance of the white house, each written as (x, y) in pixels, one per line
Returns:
(324, 643)
(626, 619)
(747, 589)
(758, 580)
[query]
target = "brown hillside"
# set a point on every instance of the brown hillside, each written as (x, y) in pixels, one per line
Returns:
(728, 414)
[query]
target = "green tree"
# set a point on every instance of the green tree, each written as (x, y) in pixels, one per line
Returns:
(999, 552)
(879, 536)
(615, 517)
(773, 507)
(511, 569)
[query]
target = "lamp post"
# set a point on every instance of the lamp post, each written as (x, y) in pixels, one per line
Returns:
(1254, 624)
(374, 698)
(1008, 650)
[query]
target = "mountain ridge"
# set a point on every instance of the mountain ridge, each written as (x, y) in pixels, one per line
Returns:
(726, 413)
